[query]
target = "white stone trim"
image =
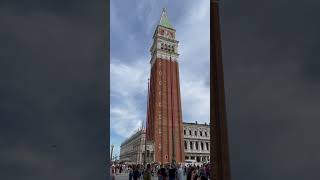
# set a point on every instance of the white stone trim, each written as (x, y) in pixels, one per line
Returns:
(164, 56)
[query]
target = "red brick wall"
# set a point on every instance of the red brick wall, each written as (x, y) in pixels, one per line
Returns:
(163, 108)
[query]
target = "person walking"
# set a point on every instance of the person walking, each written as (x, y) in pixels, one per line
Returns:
(201, 171)
(208, 171)
(130, 173)
(147, 173)
(180, 172)
(136, 173)
(112, 172)
(140, 169)
(172, 173)
(162, 175)
(192, 174)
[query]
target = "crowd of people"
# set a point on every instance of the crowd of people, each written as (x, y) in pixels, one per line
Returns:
(162, 172)
(198, 172)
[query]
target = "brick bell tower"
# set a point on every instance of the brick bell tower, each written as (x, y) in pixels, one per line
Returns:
(164, 117)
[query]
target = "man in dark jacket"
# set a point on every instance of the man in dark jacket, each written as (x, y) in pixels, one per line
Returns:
(172, 173)
(136, 173)
(162, 175)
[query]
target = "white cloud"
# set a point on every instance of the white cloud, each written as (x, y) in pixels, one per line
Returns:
(193, 33)
(125, 119)
(129, 80)
(195, 101)
(128, 90)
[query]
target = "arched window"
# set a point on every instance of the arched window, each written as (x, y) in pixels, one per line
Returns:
(207, 144)
(200, 133)
(190, 132)
(205, 133)
(191, 145)
(197, 146)
(201, 145)
(195, 133)
(184, 132)
(185, 144)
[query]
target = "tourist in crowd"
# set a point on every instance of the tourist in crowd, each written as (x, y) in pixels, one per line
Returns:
(208, 171)
(140, 169)
(162, 175)
(147, 173)
(191, 173)
(130, 173)
(153, 169)
(201, 171)
(136, 173)
(167, 169)
(112, 172)
(180, 172)
(172, 173)
(205, 167)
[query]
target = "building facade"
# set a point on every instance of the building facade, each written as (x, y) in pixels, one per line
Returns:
(164, 117)
(197, 141)
(132, 150)
(196, 145)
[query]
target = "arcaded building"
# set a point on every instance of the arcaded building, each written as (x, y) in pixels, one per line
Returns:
(132, 150)
(197, 141)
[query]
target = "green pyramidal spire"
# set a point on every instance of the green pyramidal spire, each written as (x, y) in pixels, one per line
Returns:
(164, 21)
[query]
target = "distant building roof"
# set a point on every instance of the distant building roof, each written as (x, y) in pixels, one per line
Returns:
(196, 123)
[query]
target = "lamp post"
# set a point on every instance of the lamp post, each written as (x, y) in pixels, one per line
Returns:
(219, 150)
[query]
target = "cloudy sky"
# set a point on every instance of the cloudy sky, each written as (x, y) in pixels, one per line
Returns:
(132, 25)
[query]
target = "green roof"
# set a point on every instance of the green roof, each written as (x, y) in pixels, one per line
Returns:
(164, 21)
